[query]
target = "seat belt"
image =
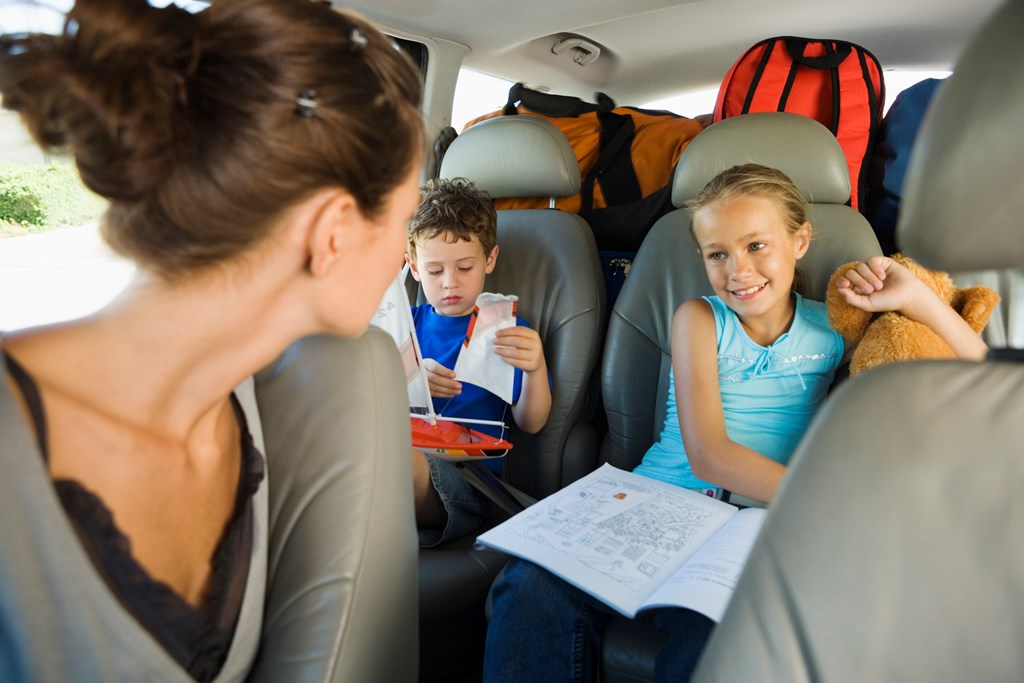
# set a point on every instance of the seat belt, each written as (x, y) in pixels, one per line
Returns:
(501, 493)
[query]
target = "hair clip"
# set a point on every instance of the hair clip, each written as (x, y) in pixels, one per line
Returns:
(14, 43)
(359, 41)
(305, 103)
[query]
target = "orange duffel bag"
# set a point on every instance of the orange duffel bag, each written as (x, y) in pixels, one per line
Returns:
(626, 156)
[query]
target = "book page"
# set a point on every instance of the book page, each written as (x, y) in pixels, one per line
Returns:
(615, 534)
(707, 581)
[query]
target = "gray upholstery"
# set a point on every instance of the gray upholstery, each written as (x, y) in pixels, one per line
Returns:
(548, 258)
(962, 203)
(514, 156)
(668, 270)
(823, 175)
(550, 262)
(341, 592)
(950, 182)
(893, 551)
(897, 562)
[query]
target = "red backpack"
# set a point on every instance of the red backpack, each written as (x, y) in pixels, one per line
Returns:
(837, 83)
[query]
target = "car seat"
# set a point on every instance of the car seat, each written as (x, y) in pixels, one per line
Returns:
(889, 169)
(548, 258)
(893, 551)
(341, 569)
(668, 270)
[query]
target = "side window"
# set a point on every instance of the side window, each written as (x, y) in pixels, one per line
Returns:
(417, 51)
(53, 265)
(898, 81)
(689, 104)
(477, 93)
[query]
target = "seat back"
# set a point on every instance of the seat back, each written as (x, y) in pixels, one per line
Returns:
(548, 258)
(341, 574)
(893, 549)
(668, 270)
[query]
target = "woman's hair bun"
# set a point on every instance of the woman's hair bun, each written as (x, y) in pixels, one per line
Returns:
(203, 129)
(112, 90)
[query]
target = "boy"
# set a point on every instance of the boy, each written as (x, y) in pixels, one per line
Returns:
(453, 245)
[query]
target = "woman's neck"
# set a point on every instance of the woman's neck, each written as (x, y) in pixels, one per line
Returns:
(164, 357)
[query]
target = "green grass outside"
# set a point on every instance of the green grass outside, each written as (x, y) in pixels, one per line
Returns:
(41, 197)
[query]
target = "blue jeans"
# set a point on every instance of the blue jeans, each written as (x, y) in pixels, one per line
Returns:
(542, 629)
(466, 507)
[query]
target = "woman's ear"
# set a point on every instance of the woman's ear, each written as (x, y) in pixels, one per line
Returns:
(331, 225)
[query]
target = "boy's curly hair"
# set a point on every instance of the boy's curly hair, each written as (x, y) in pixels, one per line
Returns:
(456, 209)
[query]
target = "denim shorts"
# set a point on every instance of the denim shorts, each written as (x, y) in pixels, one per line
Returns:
(466, 507)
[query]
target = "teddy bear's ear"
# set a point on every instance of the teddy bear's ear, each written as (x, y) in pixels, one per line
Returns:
(975, 305)
(847, 320)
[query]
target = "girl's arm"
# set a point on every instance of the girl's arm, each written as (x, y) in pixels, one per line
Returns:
(714, 457)
(881, 284)
(521, 347)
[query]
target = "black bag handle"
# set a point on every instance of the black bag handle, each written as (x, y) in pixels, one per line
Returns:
(796, 46)
(558, 106)
(614, 160)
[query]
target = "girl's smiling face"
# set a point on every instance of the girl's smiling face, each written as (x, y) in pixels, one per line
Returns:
(750, 254)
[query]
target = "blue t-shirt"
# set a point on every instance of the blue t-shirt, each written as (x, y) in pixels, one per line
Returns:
(769, 393)
(440, 338)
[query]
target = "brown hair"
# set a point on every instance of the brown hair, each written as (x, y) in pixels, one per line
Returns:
(748, 180)
(202, 128)
(457, 209)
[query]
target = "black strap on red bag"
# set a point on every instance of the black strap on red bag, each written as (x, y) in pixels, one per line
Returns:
(836, 82)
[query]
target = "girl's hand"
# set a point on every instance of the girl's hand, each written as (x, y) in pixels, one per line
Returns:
(881, 284)
(441, 380)
(520, 347)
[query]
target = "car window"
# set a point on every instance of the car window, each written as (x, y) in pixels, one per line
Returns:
(689, 104)
(477, 93)
(53, 265)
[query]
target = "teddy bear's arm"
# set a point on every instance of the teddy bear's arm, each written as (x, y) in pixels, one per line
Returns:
(975, 305)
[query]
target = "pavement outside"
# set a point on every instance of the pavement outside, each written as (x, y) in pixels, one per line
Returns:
(56, 276)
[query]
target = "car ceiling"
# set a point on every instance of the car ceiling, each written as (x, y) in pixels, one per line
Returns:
(656, 48)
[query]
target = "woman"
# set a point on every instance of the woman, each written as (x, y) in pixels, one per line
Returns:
(261, 159)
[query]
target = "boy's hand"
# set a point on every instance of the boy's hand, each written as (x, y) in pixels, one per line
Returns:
(881, 284)
(441, 380)
(520, 347)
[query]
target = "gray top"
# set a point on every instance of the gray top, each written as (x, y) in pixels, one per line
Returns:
(58, 619)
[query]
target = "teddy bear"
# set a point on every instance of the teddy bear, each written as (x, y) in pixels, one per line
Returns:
(890, 337)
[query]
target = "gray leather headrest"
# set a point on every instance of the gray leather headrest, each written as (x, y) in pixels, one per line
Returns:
(514, 156)
(798, 146)
(963, 201)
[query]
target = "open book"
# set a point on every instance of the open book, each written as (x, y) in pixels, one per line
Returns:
(634, 542)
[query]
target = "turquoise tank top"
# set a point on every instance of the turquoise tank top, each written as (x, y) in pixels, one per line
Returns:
(769, 393)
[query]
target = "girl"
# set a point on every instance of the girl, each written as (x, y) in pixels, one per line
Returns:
(261, 159)
(751, 365)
